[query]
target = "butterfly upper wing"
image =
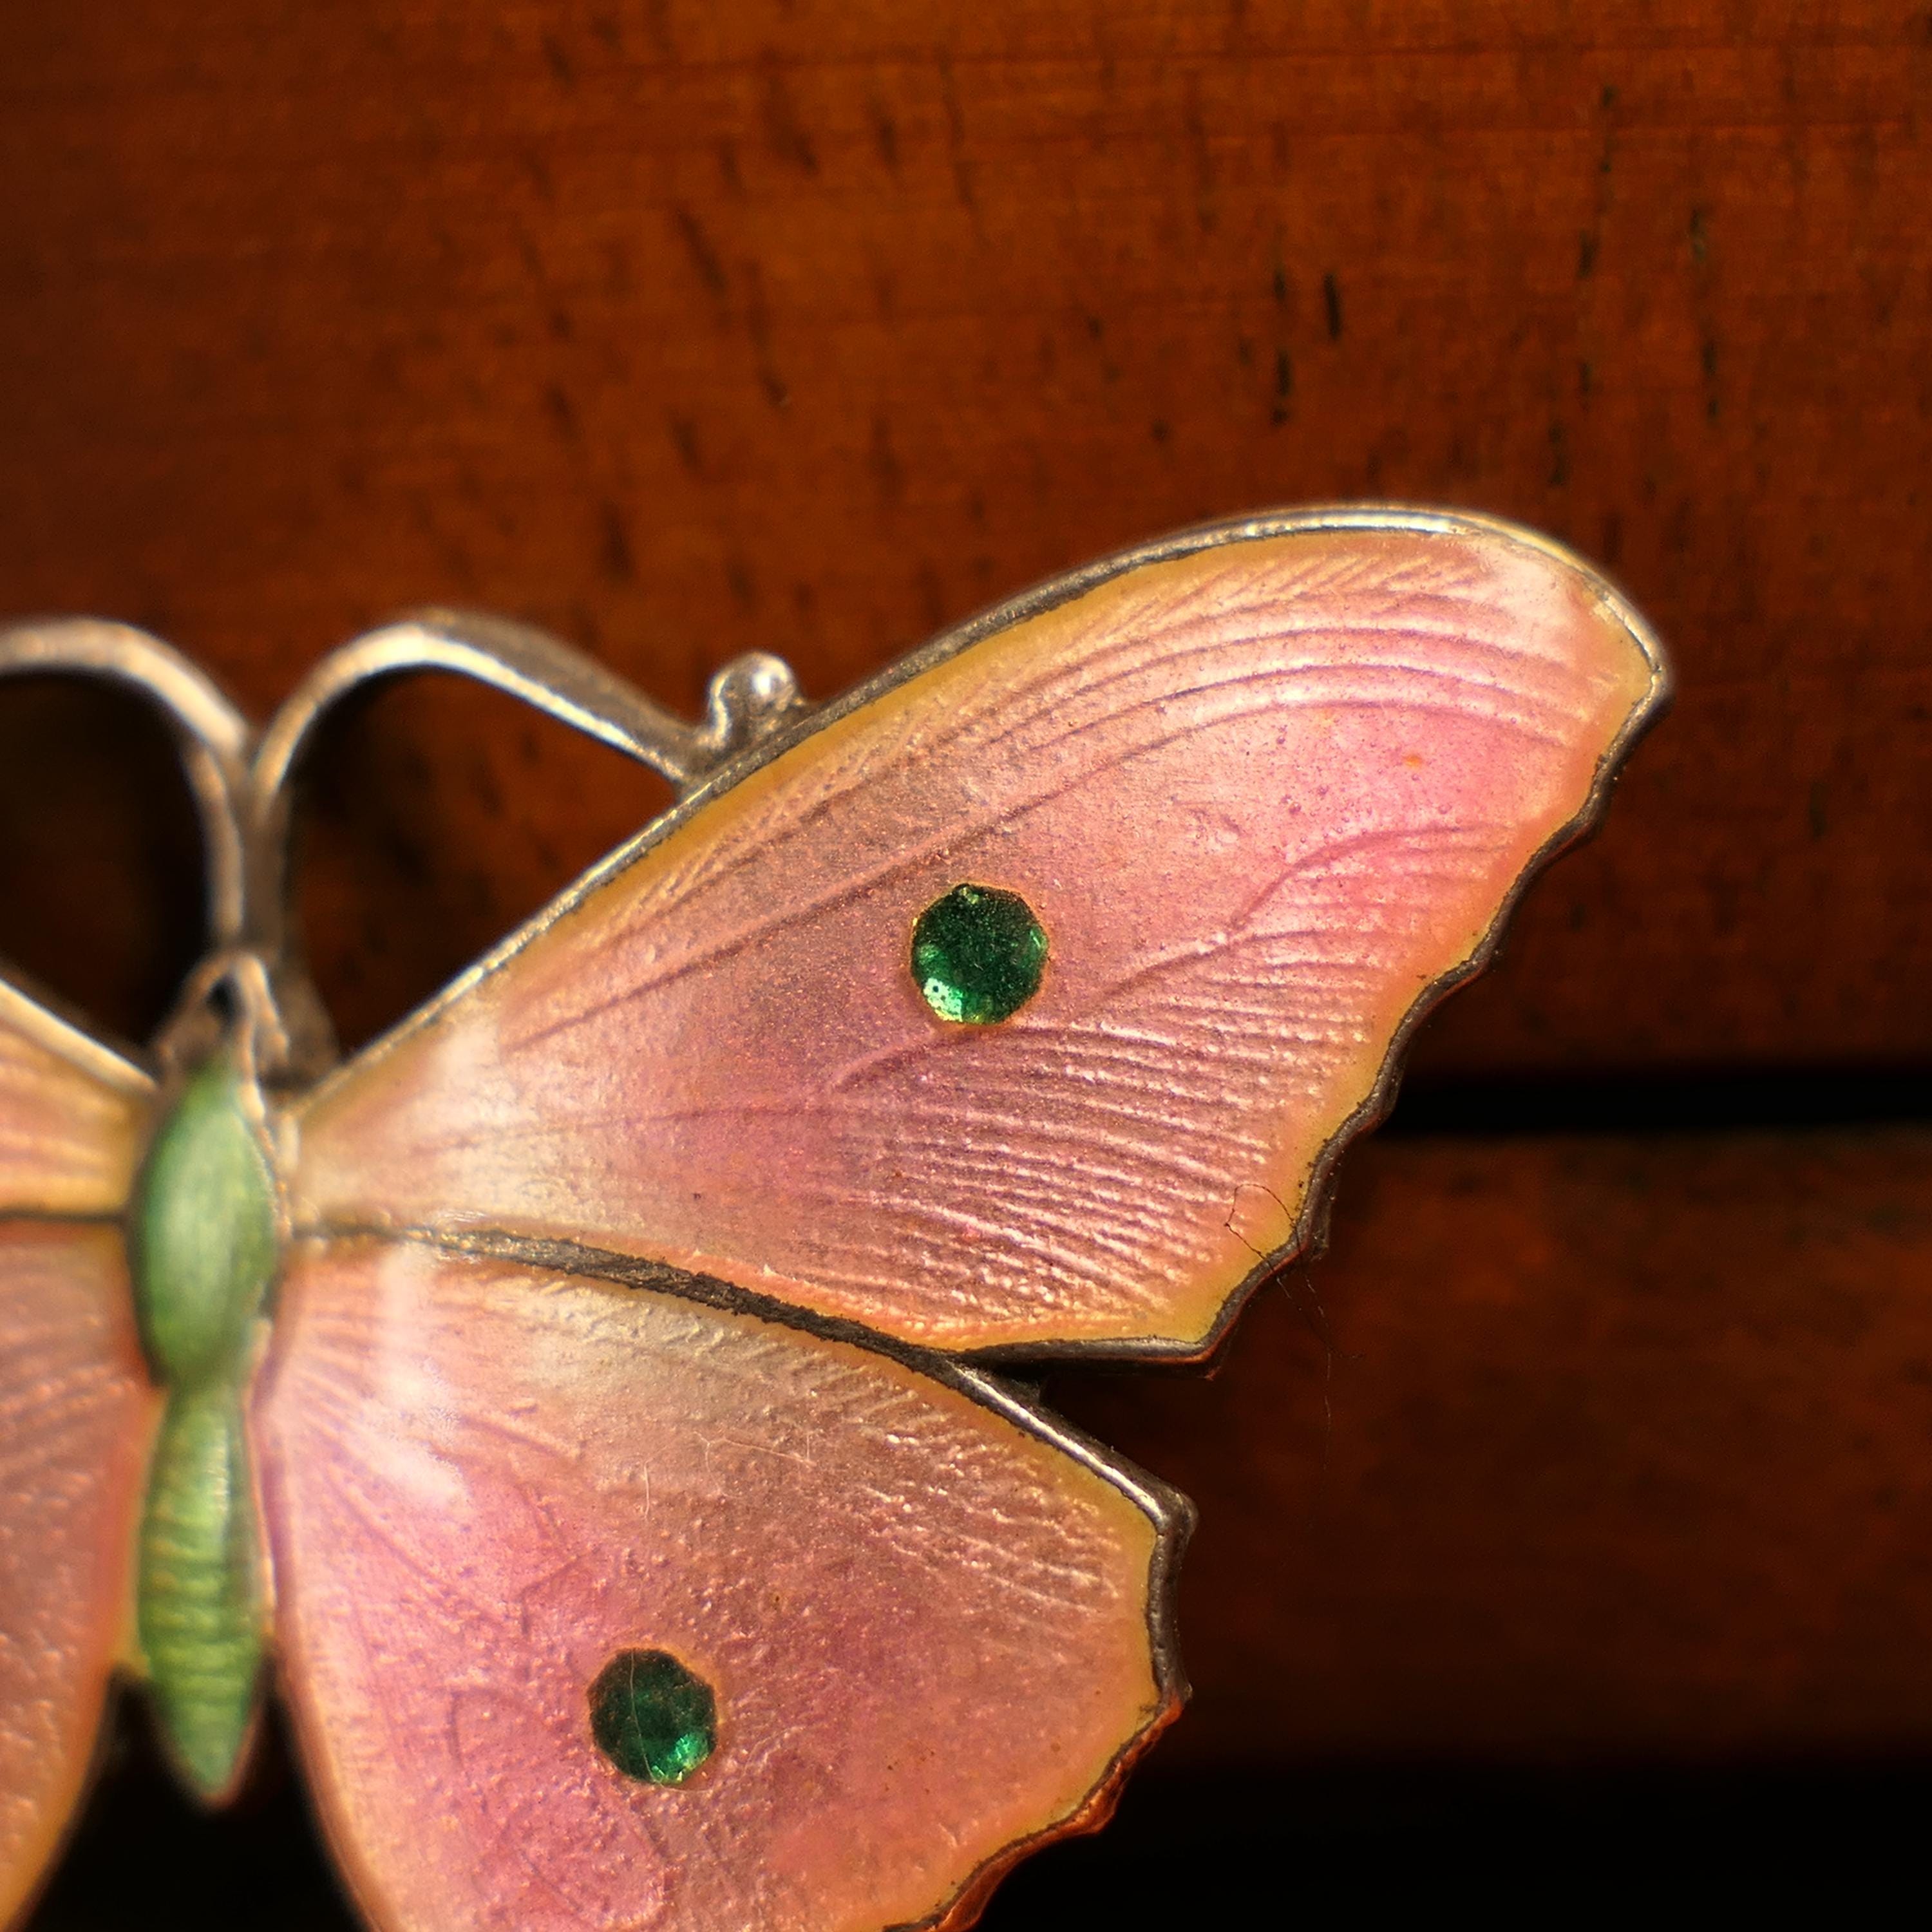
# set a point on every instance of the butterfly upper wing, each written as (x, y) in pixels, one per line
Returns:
(76, 1417)
(1266, 794)
(929, 1627)
(72, 1114)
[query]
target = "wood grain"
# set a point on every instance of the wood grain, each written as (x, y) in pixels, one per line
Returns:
(688, 329)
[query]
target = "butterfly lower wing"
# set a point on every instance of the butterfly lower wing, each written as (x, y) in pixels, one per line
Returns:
(76, 1417)
(1266, 796)
(932, 1631)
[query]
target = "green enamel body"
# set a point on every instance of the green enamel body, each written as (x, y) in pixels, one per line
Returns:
(203, 1245)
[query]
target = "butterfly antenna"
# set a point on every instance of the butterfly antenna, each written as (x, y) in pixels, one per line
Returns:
(750, 699)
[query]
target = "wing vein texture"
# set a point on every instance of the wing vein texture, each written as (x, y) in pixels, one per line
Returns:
(1262, 799)
(77, 1415)
(895, 1592)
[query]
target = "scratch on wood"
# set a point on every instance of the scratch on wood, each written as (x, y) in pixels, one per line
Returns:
(784, 131)
(704, 256)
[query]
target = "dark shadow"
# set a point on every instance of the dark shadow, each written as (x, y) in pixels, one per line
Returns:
(1520, 1844)
(435, 816)
(1666, 1102)
(101, 854)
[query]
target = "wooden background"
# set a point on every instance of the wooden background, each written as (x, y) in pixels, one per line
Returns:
(1600, 1445)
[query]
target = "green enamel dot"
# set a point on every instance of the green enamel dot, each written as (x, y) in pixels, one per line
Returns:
(977, 954)
(651, 1718)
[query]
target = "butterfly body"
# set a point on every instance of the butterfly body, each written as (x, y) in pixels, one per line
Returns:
(584, 1403)
(203, 1251)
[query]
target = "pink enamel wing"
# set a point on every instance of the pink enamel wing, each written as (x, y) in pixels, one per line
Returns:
(587, 1407)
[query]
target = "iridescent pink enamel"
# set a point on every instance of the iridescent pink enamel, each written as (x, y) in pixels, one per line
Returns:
(76, 1416)
(1264, 798)
(928, 1626)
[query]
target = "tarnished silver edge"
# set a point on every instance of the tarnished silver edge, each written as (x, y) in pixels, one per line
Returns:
(1171, 1514)
(115, 1218)
(948, 644)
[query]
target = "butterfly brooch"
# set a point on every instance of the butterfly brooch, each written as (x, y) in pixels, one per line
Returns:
(590, 1405)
